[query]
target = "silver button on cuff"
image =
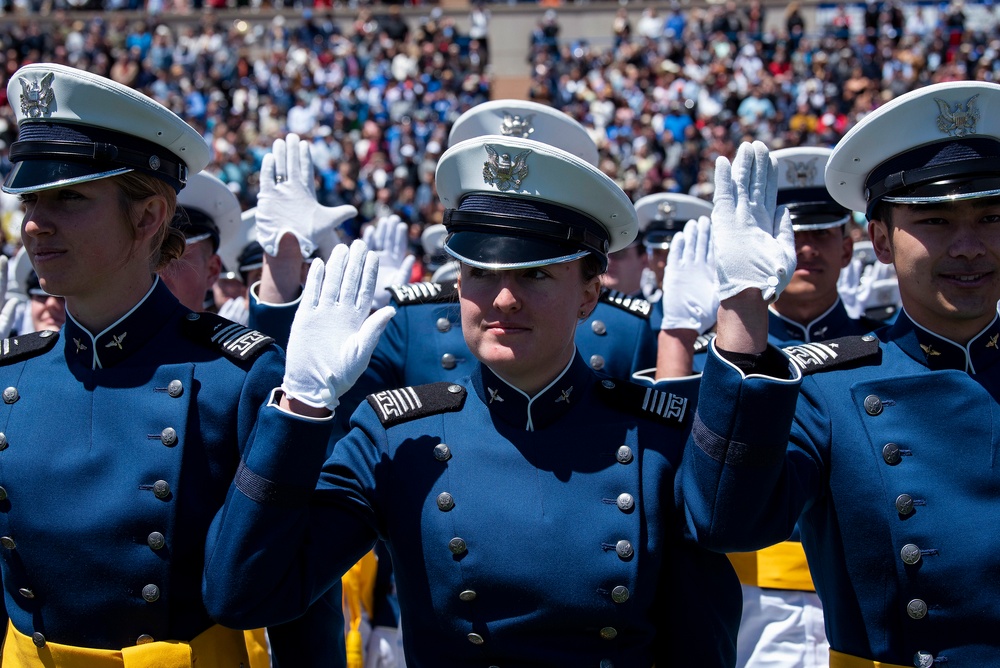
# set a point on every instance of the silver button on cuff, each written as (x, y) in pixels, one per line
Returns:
(445, 501)
(151, 593)
(916, 609)
(873, 405)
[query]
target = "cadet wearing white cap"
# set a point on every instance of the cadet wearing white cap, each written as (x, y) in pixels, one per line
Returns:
(528, 508)
(661, 217)
(889, 463)
(206, 209)
(105, 510)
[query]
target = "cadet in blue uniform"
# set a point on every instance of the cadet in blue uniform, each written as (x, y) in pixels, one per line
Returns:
(782, 616)
(890, 457)
(529, 507)
(122, 432)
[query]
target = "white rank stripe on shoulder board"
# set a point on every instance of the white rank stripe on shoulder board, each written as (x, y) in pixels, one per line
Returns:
(422, 293)
(235, 341)
(635, 305)
(409, 403)
(239, 340)
(834, 354)
(665, 404)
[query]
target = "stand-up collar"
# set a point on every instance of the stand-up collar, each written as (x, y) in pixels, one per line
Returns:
(123, 337)
(533, 413)
(832, 323)
(937, 352)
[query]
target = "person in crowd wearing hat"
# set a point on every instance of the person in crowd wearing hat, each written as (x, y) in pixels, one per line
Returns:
(155, 403)
(205, 208)
(661, 216)
(529, 507)
(881, 447)
(47, 311)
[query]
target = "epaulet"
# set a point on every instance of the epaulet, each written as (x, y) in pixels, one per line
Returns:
(665, 407)
(409, 403)
(703, 341)
(835, 353)
(18, 348)
(232, 339)
(635, 305)
(423, 293)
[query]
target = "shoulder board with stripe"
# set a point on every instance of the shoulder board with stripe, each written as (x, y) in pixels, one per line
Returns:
(423, 293)
(635, 305)
(238, 343)
(835, 353)
(703, 341)
(409, 403)
(18, 348)
(658, 405)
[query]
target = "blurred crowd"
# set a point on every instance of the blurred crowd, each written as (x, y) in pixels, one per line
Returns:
(664, 92)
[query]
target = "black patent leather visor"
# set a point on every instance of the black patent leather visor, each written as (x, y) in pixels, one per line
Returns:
(33, 175)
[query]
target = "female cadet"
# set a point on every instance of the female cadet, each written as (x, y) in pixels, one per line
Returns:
(104, 509)
(529, 507)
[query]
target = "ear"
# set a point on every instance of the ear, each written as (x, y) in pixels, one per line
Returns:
(591, 294)
(154, 216)
(881, 238)
(847, 251)
(214, 269)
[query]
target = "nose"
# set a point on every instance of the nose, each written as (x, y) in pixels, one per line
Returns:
(36, 222)
(968, 242)
(506, 299)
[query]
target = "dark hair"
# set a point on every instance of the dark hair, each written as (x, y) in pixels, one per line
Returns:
(168, 243)
(591, 266)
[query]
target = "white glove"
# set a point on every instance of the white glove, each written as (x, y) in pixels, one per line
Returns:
(287, 202)
(236, 310)
(849, 287)
(754, 241)
(690, 282)
(387, 238)
(9, 311)
(334, 331)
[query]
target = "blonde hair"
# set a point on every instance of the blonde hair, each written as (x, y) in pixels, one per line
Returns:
(168, 243)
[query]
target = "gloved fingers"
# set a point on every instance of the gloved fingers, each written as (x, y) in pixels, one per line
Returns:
(724, 199)
(280, 160)
(306, 168)
(760, 184)
(368, 282)
(406, 268)
(397, 243)
(351, 278)
(314, 283)
(292, 164)
(336, 267)
(267, 174)
(690, 255)
(704, 228)
(771, 173)
(373, 326)
(368, 236)
(4, 278)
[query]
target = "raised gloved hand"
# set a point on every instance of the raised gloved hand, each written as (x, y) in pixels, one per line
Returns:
(334, 331)
(9, 311)
(849, 287)
(753, 237)
(287, 202)
(690, 284)
(388, 238)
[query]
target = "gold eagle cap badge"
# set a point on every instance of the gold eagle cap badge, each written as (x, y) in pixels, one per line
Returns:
(502, 171)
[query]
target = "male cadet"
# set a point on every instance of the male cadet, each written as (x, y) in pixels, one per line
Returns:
(205, 207)
(882, 447)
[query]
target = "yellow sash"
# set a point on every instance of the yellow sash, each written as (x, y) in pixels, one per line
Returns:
(781, 566)
(359, 594)
(216, 647)
(838, 660)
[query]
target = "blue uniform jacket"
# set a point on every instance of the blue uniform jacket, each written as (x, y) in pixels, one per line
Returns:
(522, 533)
(891, 459)
(832, 324)
(115, 455)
